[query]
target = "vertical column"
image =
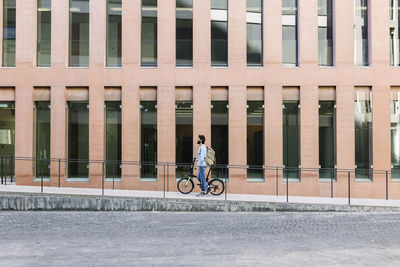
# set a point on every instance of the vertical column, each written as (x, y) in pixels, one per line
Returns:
(201, 114)
(58, 132)
(201, 34)
(131, 23)
(130, 133)
(272, 35)
(23, 133)
(25, 42)
(96, 132)
(237, 35)
(380, 61)
(237, 132)
(59, 34)
(166, 34)
(308, 33)
(97, 32)
(343, 40)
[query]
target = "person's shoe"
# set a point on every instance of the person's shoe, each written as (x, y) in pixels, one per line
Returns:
(208, 190)
(201, 194)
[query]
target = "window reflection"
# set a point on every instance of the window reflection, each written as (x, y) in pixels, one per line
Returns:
(291, 139)
(148, 146)
(184, 136)
(255, 139)
(254, 29)
(325, 33)
(184, 33)
(395, 134)
(44, 33)
(149, 32)
(79, 33)
(114, 32)
(113, 139)
(9, 25)
(361, 33)
(327, 139)
(219, 33)
(7, 134)
(219, 135)
(289, 32)
(42, 139)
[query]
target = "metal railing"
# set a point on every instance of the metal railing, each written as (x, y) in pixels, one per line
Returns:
(59, 174)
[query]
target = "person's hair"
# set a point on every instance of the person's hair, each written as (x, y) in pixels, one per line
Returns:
(202, 138)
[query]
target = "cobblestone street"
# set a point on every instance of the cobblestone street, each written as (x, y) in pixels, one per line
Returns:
(199, 239)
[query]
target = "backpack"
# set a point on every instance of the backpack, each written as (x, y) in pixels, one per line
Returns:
(210, 159)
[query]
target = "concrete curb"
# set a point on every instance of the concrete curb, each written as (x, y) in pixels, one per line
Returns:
(11, 201)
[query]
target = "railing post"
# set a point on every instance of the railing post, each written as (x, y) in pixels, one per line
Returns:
(12, 169)
(164, 180)
(168, 178)
(41, 177)
(287, 187)
(1, 173)
(277, 186)
(59, 172)
(5, 171)
(102, 178)
(332, 173)
(387, 186)
(113, 175)
(348, 179)
(226, 184)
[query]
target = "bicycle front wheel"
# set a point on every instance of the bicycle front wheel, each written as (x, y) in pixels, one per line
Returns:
(185, 185)
(217, 187)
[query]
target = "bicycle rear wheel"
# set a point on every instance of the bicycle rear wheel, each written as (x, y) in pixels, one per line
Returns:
(217, 187)
(185, 186)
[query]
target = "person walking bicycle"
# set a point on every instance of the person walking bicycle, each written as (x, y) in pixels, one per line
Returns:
(202, 165)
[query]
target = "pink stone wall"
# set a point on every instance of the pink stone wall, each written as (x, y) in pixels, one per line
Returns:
(166, 77)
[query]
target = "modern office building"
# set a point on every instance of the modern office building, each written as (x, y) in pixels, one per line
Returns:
(309, 85)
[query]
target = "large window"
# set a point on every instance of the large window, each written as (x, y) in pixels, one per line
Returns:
(363, 133)
(113, 139)
(254, 28)
(361, 32)
(149, 33)
(7, 128)
(219, 32)
(79, 33)
(9, 15)
(327, 139)
(395, 32)
(289, 33)
(325, 33)
(184, 33)
(42, 144)
(44, 33)
(219, 135)
(184, 135)
(148, 145)
(395, 134)
(78, 140)
(291, 139)
(114, 33)
(255, 140)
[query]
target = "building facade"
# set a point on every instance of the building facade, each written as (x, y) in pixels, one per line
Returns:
(301, 84)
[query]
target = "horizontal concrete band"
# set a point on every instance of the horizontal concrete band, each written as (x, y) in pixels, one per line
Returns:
(54, 202)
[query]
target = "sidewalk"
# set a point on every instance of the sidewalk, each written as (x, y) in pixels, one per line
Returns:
(177, 195)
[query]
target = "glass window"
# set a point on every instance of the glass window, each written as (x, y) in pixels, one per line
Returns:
(327, 139)
(291, 139)
(149, 33)
(219, 33)
(42, 139)
(395, 33)
(113, 139)
(254, 29)
(7, 128)
(9, 14)
(184, 33)
(219, 135)
(325, 33)
(79, 33)
(361, 33)
(184, 136)
(255, 139)
(44, 33)
(114, 33)
(148, 138)
(363, 134)
(395, 134)
(289, 33)
(78, 140)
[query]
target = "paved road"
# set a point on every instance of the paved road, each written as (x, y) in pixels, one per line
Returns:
(199, 239)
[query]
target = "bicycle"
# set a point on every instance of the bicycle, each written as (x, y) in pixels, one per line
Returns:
(186, 185)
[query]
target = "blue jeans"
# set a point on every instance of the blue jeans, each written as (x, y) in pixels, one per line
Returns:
(201, 175)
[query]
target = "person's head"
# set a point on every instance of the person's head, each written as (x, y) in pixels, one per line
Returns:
(201, 139)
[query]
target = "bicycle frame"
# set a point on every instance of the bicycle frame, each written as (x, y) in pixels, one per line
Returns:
(192, 167)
